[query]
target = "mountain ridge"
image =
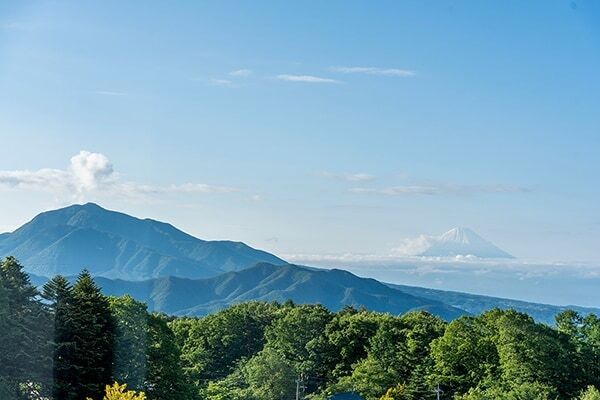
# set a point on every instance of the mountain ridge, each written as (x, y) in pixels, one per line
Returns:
(197, 297)
(333, 289)
(114, 244)
(477, 303)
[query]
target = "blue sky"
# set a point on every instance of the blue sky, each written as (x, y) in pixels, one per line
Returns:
(316, 128)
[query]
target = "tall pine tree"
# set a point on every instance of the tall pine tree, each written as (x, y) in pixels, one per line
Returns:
(24, 326)
(93, 342)
(59, 293)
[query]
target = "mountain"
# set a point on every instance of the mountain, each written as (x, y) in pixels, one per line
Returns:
(116, 245)
(333, 289)
(476, 304)
(461, 242)
(179, 274)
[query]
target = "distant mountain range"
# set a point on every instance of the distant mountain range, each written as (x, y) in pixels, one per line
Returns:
(267, 282)
(459, 242)
(476, 304)
(304, 285)
(116, 245)
(176, 273)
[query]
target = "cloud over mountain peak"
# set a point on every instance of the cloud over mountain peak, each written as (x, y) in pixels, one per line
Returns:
(455, 242)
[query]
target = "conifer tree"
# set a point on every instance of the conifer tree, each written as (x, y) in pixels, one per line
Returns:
(59, 293)
(93, 327)
(24, 353)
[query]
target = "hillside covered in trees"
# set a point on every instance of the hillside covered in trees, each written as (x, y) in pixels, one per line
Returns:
(68, 341)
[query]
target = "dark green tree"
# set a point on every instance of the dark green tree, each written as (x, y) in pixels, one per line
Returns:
(212, 346)
(130, 319)
(349, 333)
(25, 329)
(531, 352)
(6, 391)
(94, 328)
(299, 336)
(270, 376)
(464, 356)
(584, 335)
(164, 374)
(590, 334)
(59, 293)
(398, 358)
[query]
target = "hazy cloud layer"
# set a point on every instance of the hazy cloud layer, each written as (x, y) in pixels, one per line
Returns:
(221, 82)
(240, 73)
(93, 173)
(306, 79)
(441, 189)
(349, 177)
(393, 72)
(552, 283)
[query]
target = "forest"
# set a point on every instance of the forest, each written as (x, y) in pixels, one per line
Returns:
(68, 341)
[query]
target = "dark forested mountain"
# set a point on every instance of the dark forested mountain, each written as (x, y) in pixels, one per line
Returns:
(331, 288)
(116, 245)
(267, 282)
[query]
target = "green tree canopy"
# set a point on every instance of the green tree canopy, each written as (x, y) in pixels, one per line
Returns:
(130, 319)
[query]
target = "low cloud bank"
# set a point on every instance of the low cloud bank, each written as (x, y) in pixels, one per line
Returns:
(541, 282)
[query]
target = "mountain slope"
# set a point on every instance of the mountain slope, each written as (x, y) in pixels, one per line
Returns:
(332, 288)
(476, 304)
(462, 242)
(116, 245)
(267, 282)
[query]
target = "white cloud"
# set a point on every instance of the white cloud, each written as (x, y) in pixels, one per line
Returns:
(393, 72)
(412, 246)
(241, 73)
(221, 82)
(442, 189)
(352, 177)
(306, 79)
(90, 170)
(133, 188)
(93, 173)
(45, 178)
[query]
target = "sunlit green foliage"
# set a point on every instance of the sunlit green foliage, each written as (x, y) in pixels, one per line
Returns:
(75, 341)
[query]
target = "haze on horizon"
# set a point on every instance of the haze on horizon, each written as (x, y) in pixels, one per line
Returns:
(347, 138)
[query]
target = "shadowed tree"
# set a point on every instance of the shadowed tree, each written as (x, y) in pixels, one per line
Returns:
(94, 327)
(59, 293)
(130, 318)
(25, 329)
